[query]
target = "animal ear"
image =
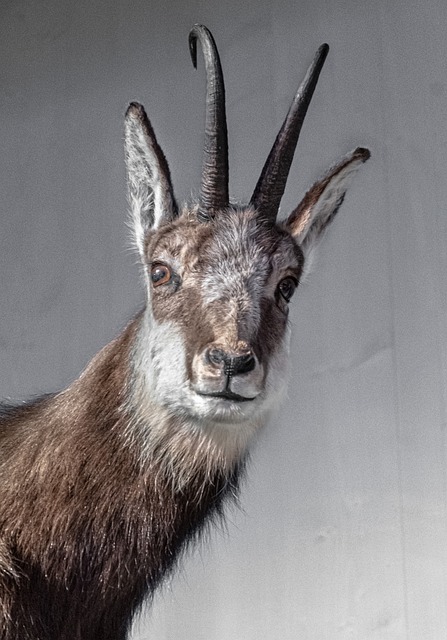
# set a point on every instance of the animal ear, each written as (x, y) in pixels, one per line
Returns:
(307, 222)
(151, 195)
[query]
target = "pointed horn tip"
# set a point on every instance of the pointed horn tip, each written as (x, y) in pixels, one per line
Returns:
(200, 30)
(196, 31)
(198, 27)
(321, 55)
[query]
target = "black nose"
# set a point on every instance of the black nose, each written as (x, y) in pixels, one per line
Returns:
(233, 364)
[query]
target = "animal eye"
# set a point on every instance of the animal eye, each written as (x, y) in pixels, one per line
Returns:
(160, 274)
(287, 287)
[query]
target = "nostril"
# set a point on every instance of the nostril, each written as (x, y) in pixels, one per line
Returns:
(230, 363)
(216, 356)
(240, 364)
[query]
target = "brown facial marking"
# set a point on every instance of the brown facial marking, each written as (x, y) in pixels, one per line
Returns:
(228, 271)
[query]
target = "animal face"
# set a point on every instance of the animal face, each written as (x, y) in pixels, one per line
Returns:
(223, 288)
(219, 278)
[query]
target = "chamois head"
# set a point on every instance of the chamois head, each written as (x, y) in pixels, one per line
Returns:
(220, 276)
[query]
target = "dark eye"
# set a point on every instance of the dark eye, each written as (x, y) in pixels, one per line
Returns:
(160, 274)
(287, 287)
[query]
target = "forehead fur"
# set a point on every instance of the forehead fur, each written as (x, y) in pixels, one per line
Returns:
(235, 238)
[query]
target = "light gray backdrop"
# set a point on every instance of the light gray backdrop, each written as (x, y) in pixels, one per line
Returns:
(343, 530)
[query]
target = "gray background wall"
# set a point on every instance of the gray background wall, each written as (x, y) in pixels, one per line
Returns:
(342, 531)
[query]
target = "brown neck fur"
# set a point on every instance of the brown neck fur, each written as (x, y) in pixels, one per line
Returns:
(86, 530)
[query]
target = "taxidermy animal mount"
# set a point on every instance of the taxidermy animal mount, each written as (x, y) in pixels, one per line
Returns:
(105, 483)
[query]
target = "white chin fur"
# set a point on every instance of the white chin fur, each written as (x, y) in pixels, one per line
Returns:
(160, 390)
(217, 409)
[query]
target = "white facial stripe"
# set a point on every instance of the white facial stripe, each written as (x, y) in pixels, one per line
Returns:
(162, 363)
(240, 275)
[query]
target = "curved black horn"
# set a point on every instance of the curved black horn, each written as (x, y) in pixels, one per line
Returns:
(214, 188)
(272, 182)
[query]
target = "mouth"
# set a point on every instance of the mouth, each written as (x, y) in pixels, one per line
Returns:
(228, 395)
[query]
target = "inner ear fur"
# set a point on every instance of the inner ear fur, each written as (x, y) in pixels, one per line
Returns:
(151, 194)
(310, 218)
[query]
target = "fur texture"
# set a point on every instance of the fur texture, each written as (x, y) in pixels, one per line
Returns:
(87, 529)
(103, 485)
